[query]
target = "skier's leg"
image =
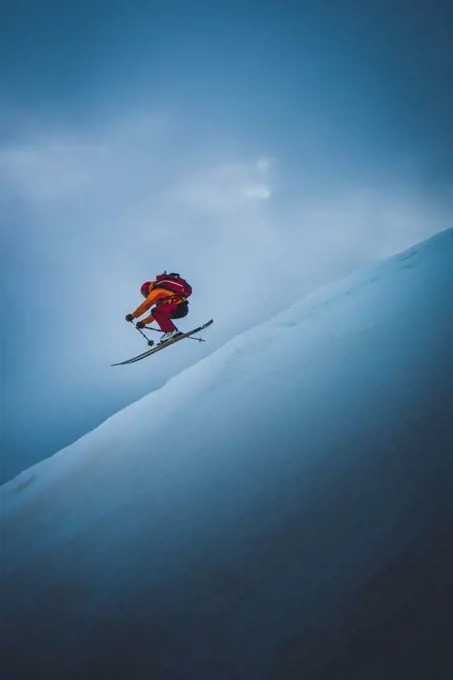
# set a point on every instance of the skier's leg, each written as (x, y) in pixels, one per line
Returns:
(162, 314)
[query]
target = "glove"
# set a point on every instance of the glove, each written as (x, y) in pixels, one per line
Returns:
(140, 324)
(129, 317)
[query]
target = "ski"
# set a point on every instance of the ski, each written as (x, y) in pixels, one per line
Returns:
(162, 345)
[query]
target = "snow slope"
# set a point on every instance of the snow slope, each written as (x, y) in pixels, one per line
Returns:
(279, 510)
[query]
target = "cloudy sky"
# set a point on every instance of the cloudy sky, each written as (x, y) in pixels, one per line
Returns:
(260, 148)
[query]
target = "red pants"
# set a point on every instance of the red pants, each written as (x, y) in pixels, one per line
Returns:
(163, 315)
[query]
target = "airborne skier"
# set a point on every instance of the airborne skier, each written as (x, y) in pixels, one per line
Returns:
(168, 295)
(165, 299)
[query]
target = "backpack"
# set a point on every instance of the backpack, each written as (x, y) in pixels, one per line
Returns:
(174, 283)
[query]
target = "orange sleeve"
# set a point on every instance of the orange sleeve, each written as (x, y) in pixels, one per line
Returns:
(143, 307)
(155, 294)
(149, 319)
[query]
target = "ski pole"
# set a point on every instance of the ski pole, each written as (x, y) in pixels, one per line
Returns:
(150, 342)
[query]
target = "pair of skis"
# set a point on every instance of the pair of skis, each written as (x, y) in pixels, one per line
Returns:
(167, 343)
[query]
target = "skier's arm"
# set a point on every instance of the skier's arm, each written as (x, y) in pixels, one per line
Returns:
(148, 319)
(146, 304)
(143, 307)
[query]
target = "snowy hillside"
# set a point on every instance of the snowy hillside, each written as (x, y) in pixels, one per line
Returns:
(279, 510)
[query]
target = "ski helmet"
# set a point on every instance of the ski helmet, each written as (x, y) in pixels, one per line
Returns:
(146, 287)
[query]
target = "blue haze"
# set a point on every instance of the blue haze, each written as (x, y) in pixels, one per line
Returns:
(261, 148)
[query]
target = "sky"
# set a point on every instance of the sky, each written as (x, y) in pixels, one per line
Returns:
(261, 149)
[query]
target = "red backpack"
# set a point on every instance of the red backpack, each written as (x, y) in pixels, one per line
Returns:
(174, 283)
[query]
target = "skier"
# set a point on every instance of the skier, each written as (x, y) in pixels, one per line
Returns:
(169, 293)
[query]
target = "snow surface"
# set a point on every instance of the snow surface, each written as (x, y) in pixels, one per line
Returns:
(207, 530)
